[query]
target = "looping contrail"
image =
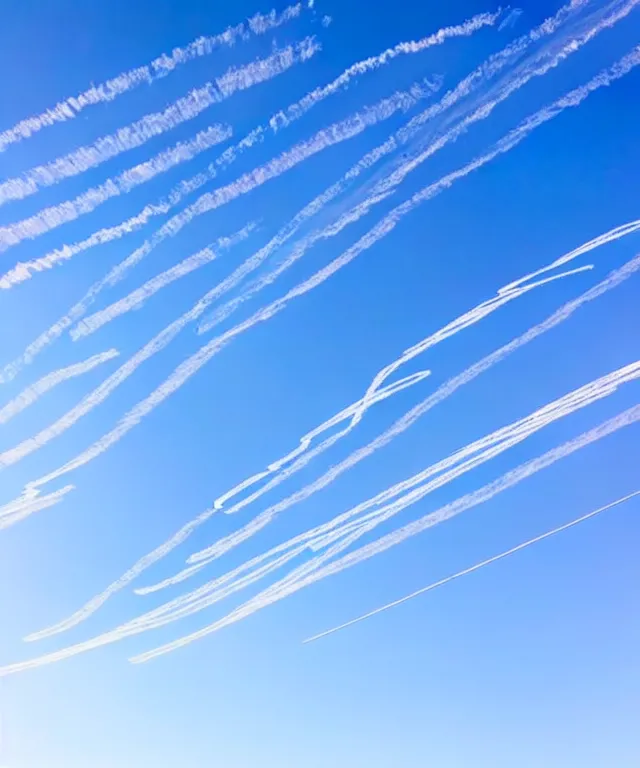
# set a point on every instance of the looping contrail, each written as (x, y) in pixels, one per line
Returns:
(191, 365)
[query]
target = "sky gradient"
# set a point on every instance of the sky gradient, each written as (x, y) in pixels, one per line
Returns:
(277, 292)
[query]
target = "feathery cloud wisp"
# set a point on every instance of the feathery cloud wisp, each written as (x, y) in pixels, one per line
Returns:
(23, 271)
(520, 76)
(137, 298)
(163, 65)
(137, 134)
(29, 396)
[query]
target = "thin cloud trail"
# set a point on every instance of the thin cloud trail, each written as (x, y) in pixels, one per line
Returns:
(492, 444)
(444, 471)
(181, 536)
(566, 311)
(336, 133)
(104, 390)
(323, 139)
(87, 202)
(296, 111)
(512, 139)
(139, 296)
(406, 421)
(473, 568)
(416, 487)
(207, 351)
(140, 132)
(160, 67)
(355, 412)
(12, 513)
(187, 529)
(387, 186)
(487, 70)
(291, 583)
(29, 396)
(24, 271)
(207, 201)
(200, 99)
(503, 91)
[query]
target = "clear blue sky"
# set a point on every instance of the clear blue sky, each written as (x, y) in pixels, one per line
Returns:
(532, 661)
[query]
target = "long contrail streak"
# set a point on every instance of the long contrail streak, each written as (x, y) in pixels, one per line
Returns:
(353, 524)
(23, 271)
(338, 132)
(206, 352)
(445, 471)
(104, 390)
(29, 396)
(136, 298)
(288, 586)
(380, 230)
(487, 70)
(402, 424)
(137, 134)
(566, 311)
(146, 75)
(473, 568)
(382, 190)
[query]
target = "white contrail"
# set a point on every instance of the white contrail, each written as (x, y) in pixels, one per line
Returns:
(323, 139)
(492, 444)
(291, 584)
(159, 67)
(23, 271)
(382, 190)
(190, 366)
(473, 568)
(138, 133)
(566, 311)
(100, 393)
(415, 488)
(327, 137)
(295, 111)
(389, 222)
(402, 424)
(13, 513)
(136, 298)
(86, 202)
(28, 396)
(489, 69)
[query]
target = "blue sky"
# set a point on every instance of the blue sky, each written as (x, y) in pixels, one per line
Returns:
(530, 661)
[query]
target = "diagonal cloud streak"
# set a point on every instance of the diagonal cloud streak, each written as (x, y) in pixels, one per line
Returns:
(292, 584)
(474, 568)
(160, 67)
(565, 312)
(137, 134)
(29, 396)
